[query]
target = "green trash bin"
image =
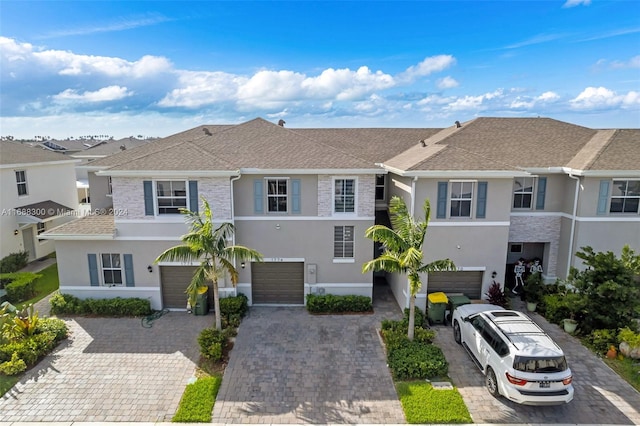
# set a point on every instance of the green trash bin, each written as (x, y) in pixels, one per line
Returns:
(436, 306)
(454, 302)
(202, 302)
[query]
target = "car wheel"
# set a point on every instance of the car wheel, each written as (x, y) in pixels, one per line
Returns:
(491, 382)
(456, 333)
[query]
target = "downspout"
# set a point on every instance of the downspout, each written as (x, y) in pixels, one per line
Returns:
(573, 221)
(412, 212)
(233, 219)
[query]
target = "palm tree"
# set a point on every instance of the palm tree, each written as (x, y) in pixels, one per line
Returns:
(403, 252)
(210, 246)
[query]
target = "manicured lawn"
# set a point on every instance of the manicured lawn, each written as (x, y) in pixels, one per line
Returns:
(423, 404)
(197, 401)
(627, 368)
(46, 285)
(7, 382)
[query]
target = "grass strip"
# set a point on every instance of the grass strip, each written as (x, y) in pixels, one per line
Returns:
(422, 403)
(44, 286)
(628, 369)
(197, 401)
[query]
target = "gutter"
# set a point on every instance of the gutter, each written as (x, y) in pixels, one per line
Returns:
(233, 218)
(573, 221)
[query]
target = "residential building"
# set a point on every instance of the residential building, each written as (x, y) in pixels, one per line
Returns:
(500, 189)
(37, 194)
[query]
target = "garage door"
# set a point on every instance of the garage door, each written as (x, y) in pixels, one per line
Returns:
(277, 283)
(175, 280)
(468, 283)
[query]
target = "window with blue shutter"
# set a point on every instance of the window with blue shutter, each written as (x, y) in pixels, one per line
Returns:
(148, 197)
(258, 187)
(441, 211)
(93, 270)
(128, 270)
(193, 196)
(542, 190)
(603, 197)
(481, 207)
(295, 196)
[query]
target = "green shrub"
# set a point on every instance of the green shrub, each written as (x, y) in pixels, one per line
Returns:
(14, 366)
(212, 342)
(629, 336)
(332, 303)
(419, 317)
(197, 401)
(235, 305)
(20, 286)
(14, 262)
(114, 307)
(601, 340)
(417, 360)
(555, 308)
(54, 326)
(23, 349)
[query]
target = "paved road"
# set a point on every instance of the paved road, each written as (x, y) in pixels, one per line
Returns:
(288, 366)
(601, 396)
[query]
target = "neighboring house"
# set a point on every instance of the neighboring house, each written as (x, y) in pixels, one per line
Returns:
(37, 194)
(500, 189)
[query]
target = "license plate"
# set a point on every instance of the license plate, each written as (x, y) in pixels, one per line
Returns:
(545, 384)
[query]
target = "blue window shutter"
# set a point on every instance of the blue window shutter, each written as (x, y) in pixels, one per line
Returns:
(603, 197)
(258, 186)
(193, 196)
(481, 208)
(148, 197)
(128, 270)
(295, 196)
(542, 190)
(442, 200)
(93, 270)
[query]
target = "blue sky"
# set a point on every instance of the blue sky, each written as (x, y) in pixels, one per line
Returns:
(155, 68)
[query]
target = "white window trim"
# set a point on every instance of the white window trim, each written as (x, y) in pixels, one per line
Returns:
(109, 187)
(38, 232)
(534, 187)
(266, 195)
(611, 196)
(383, 186)
(355, 195)
(121, 269)
(18, 183)
(344, 259)
(474, 195)
(156, 206)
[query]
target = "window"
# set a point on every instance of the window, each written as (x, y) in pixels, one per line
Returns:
(461, 199)
(111, 269)
(21, 181)
(523, 192)
(625, 196)
(343, 242)
(380, 187)
(515, 248)
(345, 195)
(277, 195)
(109, 186)
(171, 196)
(41, 227)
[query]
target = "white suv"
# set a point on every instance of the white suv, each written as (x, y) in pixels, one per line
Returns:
(519, 360)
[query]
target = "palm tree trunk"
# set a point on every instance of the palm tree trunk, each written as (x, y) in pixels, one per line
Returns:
(216, 305)
(412, 316)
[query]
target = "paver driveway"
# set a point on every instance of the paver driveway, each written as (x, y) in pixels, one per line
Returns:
(601, 396)
(110, 370)
(288, 366)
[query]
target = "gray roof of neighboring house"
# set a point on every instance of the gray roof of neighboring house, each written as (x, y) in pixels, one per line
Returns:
(43, 210)
(18, 153)
(112, 146)
(88, 225)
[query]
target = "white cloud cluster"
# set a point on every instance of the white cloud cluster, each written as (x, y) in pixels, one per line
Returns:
(111, 93)
(574, 3)
(594, 98)
(522, 102)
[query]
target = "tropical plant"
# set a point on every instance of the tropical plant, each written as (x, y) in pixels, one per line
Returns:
(210, 246)
(403, 250)
(630, 259)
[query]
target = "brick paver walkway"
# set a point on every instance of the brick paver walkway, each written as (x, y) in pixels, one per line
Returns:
(288, 366)
(601, 396)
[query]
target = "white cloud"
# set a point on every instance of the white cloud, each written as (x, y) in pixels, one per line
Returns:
(200, 88)
(474, 102)
(121, 25)
(573, 3)
(594, 98)
(429, 66)
(111, 93)
(527, 102)
(447, 83)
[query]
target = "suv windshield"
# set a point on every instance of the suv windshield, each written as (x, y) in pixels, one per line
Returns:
(539, 365)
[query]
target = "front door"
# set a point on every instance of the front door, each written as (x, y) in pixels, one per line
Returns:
(28, 244)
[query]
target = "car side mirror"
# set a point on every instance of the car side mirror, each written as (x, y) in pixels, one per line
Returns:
(466, 319)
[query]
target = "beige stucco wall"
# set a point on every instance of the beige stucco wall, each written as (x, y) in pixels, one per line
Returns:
(243, 195)
(99, 192)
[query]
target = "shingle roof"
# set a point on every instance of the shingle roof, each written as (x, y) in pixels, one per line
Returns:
(43, 210)
(103, 225)
(622, 152)
(17, 153)
(112, 147)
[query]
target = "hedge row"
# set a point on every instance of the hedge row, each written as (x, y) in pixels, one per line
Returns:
(66, 304)
(20, 286)
(14, 262)
(331, 303)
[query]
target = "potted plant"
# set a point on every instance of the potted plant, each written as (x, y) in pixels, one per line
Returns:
(574, 303)
(533, 290)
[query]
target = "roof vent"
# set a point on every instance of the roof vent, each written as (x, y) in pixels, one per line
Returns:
(423, 143)
(206, 131)
(123, 147)
(281, 123)
(458, 125)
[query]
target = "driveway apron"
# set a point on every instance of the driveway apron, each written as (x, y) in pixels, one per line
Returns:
(288, 366)
(110, 369)
(601, 396)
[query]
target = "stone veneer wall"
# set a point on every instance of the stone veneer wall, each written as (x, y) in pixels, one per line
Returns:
(217, 191)
(538, 229)
(366, 190)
